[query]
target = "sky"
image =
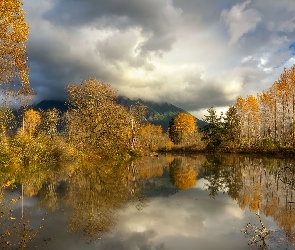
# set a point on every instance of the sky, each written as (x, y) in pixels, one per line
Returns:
(192, 53)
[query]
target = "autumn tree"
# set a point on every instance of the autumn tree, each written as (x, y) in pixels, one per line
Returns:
(137, 112)
(253, 119)
(14, 76)
(7, 120)
(292, 105)
(32, 119)
(152, 137)
(266, 105)
(232, 126)
(182, 128)
(249, 111)
(94, 121)
(49, 121)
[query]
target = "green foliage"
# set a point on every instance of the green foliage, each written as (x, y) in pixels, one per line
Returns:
(222, 132)
(214, 133)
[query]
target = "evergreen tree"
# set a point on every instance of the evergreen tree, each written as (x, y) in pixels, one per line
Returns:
(214, 131)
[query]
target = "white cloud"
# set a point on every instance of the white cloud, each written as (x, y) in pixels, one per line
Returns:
(240, 20)
(174, 51)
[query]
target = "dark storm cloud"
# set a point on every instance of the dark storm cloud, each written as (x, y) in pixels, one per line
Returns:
(156, 19)
(192, 53)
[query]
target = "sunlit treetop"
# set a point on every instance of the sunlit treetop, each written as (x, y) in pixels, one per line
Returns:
(14, 72)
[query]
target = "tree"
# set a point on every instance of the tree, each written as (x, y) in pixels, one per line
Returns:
(49, 121)
(253, 119)
(248, 109)
(182, 128)
(213, 132)
(94, 121)
(232, 125)
(13, 61)
(32, 119)
(152, 137)
(7, 120)
(137, 113)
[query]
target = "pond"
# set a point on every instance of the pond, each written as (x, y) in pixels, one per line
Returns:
(165, 202)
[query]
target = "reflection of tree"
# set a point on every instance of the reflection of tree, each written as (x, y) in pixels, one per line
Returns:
(223, 174)
(262, 184)
(48, 197)
(182, 174)
(94, 190)
(94, 194)
(15, 233)
(149, 167)
(268, 188)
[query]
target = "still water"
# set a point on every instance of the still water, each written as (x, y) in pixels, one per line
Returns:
(165, 202)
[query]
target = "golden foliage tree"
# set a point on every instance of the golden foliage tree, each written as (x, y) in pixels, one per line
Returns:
(249, 112)
(152, 137)
(95, 122)
(269, 120)
(182, 128)
(49, 121)
(32, 119)
(13, 35)
(7, 120)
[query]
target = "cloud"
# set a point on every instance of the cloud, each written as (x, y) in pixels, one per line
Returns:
(154, 18)
(192, 53)
(240, 20)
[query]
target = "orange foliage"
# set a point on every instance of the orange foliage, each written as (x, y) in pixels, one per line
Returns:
(32, 119)
(182, 128)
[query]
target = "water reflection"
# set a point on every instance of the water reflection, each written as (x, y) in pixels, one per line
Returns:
(139, 201)
(183, 173)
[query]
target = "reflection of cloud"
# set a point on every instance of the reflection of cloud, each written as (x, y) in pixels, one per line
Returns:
(188, 216)
(187, 220)
(201, 183)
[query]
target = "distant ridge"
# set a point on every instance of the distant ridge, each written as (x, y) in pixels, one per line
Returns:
(50, 104)
(158, 113)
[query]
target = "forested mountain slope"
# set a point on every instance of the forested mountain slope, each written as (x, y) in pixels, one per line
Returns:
(158, 113)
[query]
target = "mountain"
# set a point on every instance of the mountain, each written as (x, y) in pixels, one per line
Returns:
(158, 113)
(50, 104)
